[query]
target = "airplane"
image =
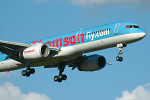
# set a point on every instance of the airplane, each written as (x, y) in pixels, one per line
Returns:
(69, 49)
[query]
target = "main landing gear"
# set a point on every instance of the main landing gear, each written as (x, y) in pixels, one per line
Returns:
(28, 72)
(120, 47)
(60, 77)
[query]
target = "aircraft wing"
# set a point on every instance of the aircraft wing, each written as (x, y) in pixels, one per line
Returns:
(12, 49)
(13, 45)
(71, 63)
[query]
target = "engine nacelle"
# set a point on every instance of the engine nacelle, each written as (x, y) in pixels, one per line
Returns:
(92, 63)
(35, 52)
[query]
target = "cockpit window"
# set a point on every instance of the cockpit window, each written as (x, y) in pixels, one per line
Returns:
(135, 26)
(132, 26)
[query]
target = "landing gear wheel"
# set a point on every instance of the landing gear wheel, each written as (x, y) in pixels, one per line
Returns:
(32, 70)
(56, 78)
(24, 73)
(27, 74)
(28, 70)
(64, 77)
(60, 76)
(59, 80)
(119, 58)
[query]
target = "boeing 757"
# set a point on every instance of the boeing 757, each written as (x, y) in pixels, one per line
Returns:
(69, 49)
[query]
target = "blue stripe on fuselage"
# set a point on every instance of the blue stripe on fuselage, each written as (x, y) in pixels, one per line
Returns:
(95, 33)
(101, 32)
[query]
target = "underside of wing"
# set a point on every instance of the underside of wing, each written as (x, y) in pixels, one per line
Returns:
(11, 49)
(13, 45)
(26, 53)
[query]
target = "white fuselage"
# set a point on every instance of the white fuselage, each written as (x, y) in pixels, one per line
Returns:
(72, 52)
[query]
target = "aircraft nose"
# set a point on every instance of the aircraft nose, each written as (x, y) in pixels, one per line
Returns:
(141, 35)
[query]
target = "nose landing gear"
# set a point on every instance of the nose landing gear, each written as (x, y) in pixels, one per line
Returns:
(120, 47)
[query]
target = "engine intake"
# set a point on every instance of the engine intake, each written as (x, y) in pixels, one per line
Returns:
(34, 52)
(92, 63)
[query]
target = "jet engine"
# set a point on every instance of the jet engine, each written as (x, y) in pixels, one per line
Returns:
(35, 52)
(92, 63)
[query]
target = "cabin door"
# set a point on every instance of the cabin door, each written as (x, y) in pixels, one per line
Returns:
(116, 29)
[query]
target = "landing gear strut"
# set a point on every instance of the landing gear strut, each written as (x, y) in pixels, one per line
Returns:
(60, 77)
(120, 47)
(28, 72)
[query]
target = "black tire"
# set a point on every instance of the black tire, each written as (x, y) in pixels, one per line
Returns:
(59, 80)
(32, 71)
(28, 70)
(64, 77)
(120, 59)
(24, 73)
(56, 78)
(60, 76)
(27, 74)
